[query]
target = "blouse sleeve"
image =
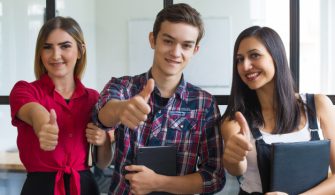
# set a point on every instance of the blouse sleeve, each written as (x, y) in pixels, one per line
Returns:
(21, 94)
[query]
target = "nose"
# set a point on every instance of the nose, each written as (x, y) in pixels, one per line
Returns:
(56, 53)
(246, 64)
(176, 50)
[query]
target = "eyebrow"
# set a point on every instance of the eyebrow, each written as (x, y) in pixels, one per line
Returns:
(249, 51)
(61, 43)
(253, 50)
(171, 37)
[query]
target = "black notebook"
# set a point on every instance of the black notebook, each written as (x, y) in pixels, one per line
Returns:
(297, 167)
(161, 159)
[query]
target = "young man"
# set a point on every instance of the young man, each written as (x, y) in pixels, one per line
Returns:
(160, 108)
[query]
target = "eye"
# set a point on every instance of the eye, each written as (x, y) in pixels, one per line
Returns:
(168, 41)
(46, 46)
(254, 56)
(187, 46)
(65, 46)
(239, 60)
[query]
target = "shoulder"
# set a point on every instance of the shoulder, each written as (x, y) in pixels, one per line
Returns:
(195, 92)
(326, 113)
(92, 93)
(324, 106)
(24, 87)
(24, 92)
(128, 81)
(322, 103)
(196, 97)
(21, 84)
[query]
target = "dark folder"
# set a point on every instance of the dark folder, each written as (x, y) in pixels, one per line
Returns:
(161, 159)
(297, 167)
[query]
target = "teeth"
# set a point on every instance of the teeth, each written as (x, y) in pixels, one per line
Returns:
(252, 75)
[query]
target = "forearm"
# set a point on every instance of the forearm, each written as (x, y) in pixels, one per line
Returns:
(187, 184)
(108, 115)
(34, 114)
(326, 187)
(104, 154)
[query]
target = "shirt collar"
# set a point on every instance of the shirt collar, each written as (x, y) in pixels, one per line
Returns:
(180, 90)
(47, 83)
(50, 86)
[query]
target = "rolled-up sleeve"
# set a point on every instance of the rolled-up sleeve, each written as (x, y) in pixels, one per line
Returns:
(112, 90)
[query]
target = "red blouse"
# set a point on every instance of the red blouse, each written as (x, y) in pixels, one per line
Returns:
(71, 152)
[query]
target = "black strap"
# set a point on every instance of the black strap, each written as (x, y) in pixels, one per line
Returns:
(256, 133)
(312, 120)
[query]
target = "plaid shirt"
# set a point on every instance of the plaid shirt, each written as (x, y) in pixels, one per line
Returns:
(189, 120)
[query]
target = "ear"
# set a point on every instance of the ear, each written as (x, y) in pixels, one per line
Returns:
(152, 40)
(196, 49)
(83, 49)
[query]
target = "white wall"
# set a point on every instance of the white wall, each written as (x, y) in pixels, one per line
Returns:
(112, 17)
(84, 12)
(112, 28)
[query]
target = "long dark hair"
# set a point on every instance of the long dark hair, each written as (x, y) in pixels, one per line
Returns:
(245, 100)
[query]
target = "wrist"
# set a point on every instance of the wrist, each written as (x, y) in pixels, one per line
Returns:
(161, 183)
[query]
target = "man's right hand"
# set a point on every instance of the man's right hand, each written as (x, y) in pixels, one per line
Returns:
(48, 134)
(238, 144)
(135, 110)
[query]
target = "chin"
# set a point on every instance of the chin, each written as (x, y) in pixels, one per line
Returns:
(253, 87)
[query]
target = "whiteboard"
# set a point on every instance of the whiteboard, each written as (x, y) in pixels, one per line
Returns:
(210, 68)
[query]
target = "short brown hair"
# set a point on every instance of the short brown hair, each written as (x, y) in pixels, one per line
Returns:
(179, 13)
(70, 26)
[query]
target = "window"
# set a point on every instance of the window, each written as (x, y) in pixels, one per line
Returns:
(317, 29)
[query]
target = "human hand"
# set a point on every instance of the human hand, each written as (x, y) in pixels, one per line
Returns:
(135, 111)
(238, 145)
(142, 179)
(48, 135)
(276, 193)
(95, 135)
(111, 134)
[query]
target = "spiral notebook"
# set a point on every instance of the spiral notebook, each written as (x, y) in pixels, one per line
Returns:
(297, 167)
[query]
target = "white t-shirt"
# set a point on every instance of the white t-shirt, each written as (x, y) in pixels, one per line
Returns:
(251, 181)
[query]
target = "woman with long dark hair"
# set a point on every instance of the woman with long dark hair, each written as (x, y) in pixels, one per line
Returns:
(263, 97)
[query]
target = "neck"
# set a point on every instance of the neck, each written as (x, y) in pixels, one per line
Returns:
(268, 106)
(266, 98)
(65, 87)
(167, 85)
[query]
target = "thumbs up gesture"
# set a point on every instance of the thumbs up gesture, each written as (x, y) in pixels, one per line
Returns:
(134, 111)
(48, 135)
(238, 144)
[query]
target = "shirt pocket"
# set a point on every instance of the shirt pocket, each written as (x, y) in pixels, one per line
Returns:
(182, 126)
